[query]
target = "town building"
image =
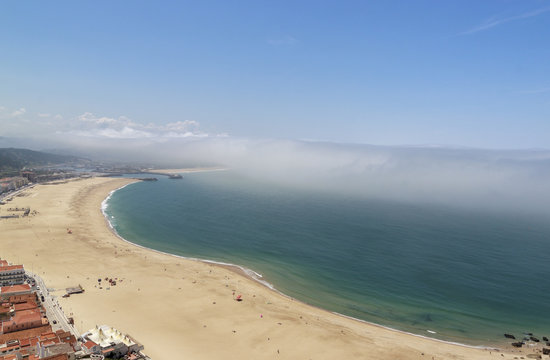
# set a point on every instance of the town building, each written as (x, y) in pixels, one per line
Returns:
(48, 345)
(110, 342)
(19, 310)
(12, 183)
(11, 274)
(15, 290)
(26, 333)
(23, 320)
(90, 347)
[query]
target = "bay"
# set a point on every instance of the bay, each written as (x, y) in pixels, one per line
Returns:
(467, 275)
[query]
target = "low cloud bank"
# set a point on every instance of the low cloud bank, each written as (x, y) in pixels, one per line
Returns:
(497, 179)
(503, 180)
(514, 180)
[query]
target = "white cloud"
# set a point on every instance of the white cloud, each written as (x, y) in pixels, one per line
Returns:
(187, 134)
(18, 112)
(181, 126)
(495, 21)
(90, 125)
(91, 118)
(124, 133)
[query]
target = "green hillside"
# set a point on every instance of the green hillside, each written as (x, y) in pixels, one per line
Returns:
(12, 159)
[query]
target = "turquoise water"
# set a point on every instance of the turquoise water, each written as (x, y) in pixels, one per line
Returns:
(467, 275)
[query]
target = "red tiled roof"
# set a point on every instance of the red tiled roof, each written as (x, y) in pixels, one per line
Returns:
(47, 336)
(25, 342)
(10, 267)
(27, 305)
(28, 333)
(20, 298)
(9, 348)
(89, 344)
(27, 316)
(15, 288)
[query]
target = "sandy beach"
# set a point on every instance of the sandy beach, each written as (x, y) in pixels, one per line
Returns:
(180, 308)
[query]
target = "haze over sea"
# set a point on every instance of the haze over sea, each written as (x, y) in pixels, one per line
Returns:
(466, 275)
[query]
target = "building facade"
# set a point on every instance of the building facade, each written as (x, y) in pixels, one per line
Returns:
(111, 342)
(11, 274)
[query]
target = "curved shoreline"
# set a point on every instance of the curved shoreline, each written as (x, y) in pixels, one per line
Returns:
(249, 273)
(253, 275)
(183, 308)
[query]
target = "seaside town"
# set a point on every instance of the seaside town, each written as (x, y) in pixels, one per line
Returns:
(32, 322)
(25, 178)
(33, 325)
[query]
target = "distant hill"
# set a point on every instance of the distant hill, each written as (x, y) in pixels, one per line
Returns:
(12, 159)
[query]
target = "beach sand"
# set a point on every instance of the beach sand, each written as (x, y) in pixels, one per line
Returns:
(181, 308)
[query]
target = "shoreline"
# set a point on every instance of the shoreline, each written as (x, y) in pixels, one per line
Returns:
(185, 306)
(254, 275)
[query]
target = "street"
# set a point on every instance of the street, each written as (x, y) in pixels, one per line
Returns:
(53, 310)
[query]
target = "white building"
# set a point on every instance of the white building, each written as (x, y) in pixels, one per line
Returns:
(111, 341)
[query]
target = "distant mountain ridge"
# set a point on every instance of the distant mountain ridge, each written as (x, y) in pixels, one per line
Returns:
(13, 159)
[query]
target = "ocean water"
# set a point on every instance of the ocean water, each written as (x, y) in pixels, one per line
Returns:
(453, 274)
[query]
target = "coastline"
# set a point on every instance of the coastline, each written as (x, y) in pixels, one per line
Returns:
(249, 273)
(252, 327)
(255, 276)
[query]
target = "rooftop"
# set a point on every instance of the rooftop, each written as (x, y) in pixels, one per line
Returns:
(10, 267)
(6, 290)
(28, 333)
(25, 316)
(105, 335)
(89, 344)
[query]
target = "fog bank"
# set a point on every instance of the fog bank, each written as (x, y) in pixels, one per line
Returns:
(516, 180)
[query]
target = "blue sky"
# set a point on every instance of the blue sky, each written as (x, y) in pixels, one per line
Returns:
(468, 73)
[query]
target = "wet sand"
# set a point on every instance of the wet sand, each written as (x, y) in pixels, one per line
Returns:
(180, 308)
